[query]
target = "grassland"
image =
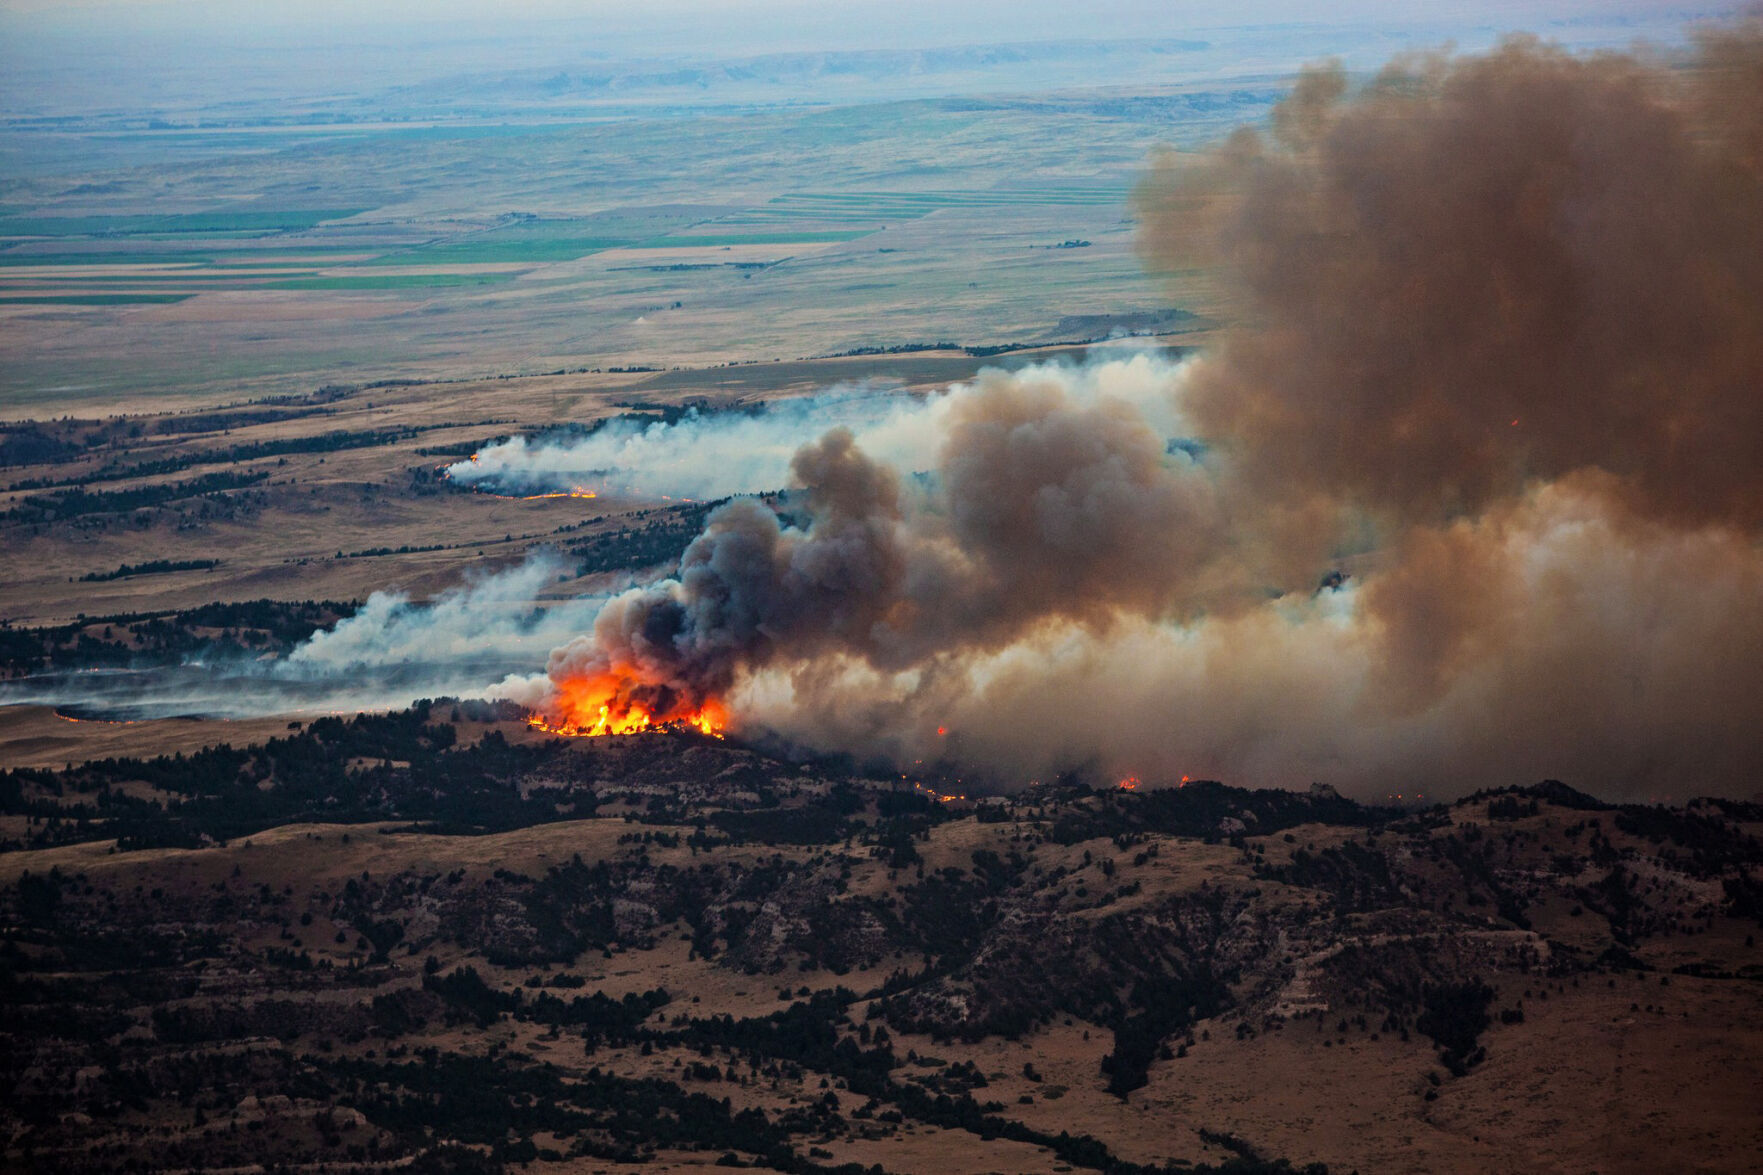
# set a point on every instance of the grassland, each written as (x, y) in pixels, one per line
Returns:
(348, 470)
(467, 252)
(205, 223)
(116, 299)
(887, 981)
(398, 281)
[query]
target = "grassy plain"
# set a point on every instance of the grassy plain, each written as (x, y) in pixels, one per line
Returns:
(1580, 1070)
(728, 236)
(293, 535)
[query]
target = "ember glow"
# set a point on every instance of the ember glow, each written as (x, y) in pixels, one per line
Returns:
(94, 721)
(577, 492)
(574, 491)
(616, 703)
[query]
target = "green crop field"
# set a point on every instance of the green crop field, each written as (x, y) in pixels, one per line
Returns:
(217, 259)
(121, 277)
(18, 260)
(193, 222)
(711, 239)
(959, 258)
(390, 281)
(92, 299)
(489, 250)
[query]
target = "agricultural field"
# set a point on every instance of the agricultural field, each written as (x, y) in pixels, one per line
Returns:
(416, 252)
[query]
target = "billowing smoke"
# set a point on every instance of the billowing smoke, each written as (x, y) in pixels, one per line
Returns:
(1478, 497)
(1484, 272)
(1051, 494)
(1623, 660)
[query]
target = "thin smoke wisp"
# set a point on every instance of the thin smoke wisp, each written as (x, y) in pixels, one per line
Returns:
(701, 455)
(388, 654)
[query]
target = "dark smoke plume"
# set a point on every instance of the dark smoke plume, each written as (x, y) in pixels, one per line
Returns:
(1498, 356)
(1051, 499)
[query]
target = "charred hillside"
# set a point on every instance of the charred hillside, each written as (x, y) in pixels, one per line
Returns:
(430, 937)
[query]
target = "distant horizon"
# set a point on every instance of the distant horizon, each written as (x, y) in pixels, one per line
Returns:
(149, 56)
(723, 29)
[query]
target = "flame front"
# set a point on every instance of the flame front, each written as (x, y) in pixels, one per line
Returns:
(575, 492)
(588, 707)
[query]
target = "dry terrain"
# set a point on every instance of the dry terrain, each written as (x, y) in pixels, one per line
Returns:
(245, 325)
(298, 521)
(674, 950)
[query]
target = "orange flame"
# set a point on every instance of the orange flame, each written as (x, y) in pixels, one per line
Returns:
(577, 492)
(589, 707)
(94, 721)
(572, 492)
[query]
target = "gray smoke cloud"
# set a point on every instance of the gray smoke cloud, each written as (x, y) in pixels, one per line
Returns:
(1494, 387)
(1620, 661)
(1052, 492)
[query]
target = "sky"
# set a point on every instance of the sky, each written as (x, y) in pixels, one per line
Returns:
(61, 57)
(747, 25)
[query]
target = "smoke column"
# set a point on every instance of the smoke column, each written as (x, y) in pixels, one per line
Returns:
(1477, 502)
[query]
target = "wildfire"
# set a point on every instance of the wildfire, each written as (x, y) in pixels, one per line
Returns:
(572, 492)
(1131, 783)
(577, 492)
(94, 721)
(602, 705)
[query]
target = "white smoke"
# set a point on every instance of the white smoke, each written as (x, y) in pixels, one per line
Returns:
(491, 619)
(719, 454)
(471, 641)
(475, 640)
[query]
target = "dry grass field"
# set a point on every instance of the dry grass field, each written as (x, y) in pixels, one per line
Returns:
(297, 533)
(1301, 1062)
